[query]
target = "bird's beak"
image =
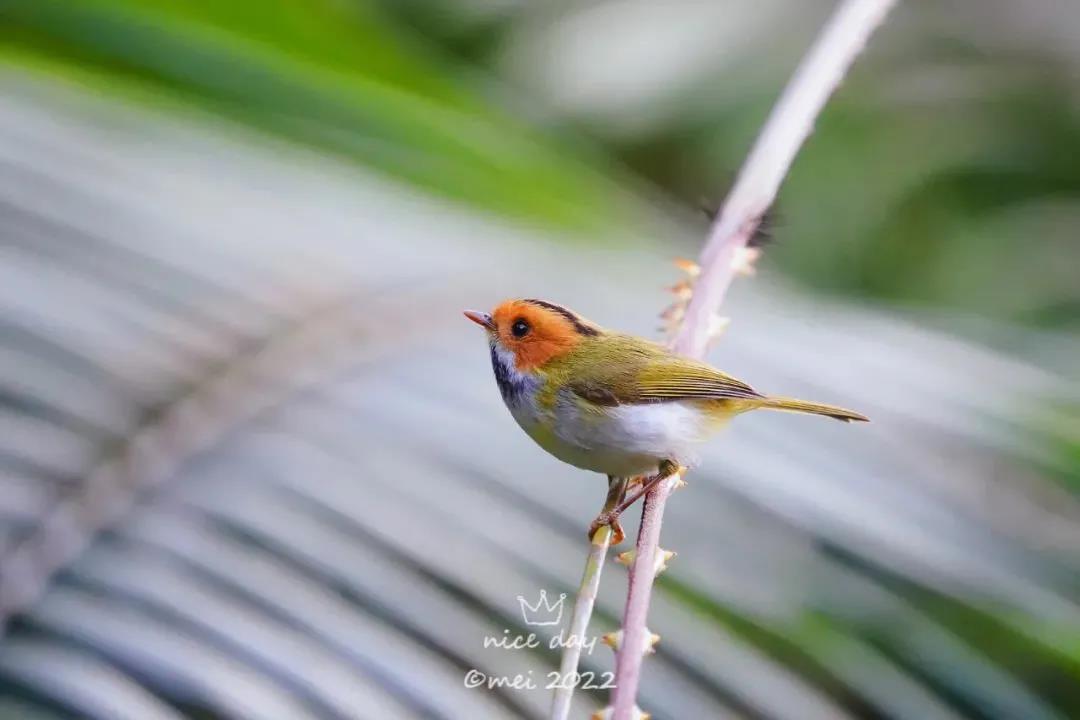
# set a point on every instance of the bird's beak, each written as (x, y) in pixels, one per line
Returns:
(481, 318)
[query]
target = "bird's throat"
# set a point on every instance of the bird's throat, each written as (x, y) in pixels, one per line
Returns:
(514, 385)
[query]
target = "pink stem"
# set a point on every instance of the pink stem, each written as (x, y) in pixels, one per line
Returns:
(789, 124)
(642, 576)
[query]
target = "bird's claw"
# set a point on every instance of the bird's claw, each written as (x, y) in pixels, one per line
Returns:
(611, 519)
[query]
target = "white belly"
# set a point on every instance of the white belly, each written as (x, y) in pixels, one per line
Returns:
(624, 441)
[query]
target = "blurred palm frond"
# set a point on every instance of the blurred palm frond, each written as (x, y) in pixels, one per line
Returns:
(336, 76)
(270, 480)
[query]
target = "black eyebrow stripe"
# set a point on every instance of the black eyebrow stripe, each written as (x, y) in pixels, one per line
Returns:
(579, 326)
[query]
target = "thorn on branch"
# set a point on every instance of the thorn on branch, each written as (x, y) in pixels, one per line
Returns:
(689, 267)
(682, 290)
(717, 326)
(614, 640)
(672, 316)
(663, 557)
(673, 313)
(743, 262)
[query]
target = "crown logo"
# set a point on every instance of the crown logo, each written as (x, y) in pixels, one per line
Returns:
(543, 612)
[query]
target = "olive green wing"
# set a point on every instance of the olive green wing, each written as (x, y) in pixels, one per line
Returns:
(683, 379)
(655, 375)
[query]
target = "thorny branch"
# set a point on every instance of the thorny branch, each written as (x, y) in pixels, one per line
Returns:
(694, 316)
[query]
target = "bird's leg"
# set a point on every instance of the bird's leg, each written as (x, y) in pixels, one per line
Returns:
(666, 470)
(618, 500)
(609, 515)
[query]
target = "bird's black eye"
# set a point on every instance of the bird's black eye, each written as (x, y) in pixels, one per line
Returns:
(519, 329)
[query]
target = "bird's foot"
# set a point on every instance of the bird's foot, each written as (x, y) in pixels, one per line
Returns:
(610, 518)
(667, 469)
(618, 499)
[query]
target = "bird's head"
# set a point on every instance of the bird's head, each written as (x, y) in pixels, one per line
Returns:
(533, 332)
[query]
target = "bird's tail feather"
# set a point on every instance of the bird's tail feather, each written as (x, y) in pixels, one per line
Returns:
(793, 405)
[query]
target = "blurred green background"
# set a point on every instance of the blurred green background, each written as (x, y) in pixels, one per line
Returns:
(924, 269)
(942, 177)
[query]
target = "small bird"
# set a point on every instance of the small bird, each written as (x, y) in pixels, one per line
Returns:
(610, 402)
